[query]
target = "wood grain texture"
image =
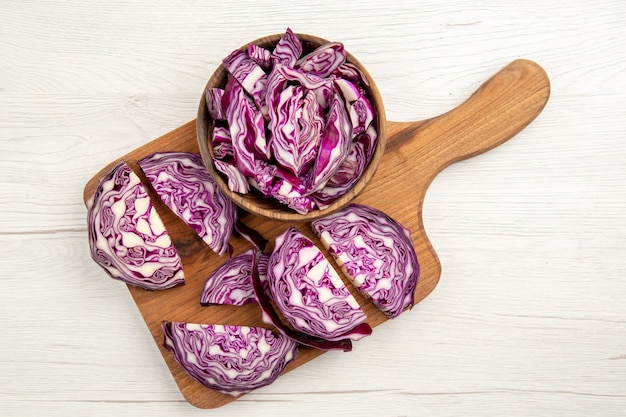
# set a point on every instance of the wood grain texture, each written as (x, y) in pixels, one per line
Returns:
(528, 316)
(418, 151)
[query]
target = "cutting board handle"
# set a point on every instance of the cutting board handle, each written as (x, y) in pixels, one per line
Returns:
(504, 105)
(417, 151)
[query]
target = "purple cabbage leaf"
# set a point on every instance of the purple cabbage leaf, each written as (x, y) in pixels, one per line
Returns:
(323, 60)
(288, 49)
(236, 180)
(260, 55)
(246, 125)
(222, 143)
(214, 97)
(335, 143)
(249, 75)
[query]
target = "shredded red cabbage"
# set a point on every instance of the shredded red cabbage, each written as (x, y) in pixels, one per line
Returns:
(287, 50)
(309, 293)
(270, 316)
(230, 283)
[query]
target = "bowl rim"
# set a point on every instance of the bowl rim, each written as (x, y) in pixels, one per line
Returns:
(254, 202)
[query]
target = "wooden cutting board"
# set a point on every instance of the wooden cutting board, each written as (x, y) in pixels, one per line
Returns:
(416, 152)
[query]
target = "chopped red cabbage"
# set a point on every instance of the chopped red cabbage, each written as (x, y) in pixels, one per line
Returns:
(288, 49)
(246, 127)
(214, 103)
(376, 253)
(222, 143)
(249, 75)
(344, 178)
(260, 55)
(309, 293)
(181, 180)
(237, 182)
(334, 144)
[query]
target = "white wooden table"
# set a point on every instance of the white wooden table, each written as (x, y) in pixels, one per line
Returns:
(529, 318)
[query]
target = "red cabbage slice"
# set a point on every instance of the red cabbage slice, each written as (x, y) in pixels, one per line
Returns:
(309, 293)
(360, 153)
(285, 143)
(276, 82)
(297, 132)
(264, 178)
(249, 75)
(358, 106)
(247, 128)
(323, 60)
(222, 143)
(126, 235)
(324, 94)
(270, 316)
(260, 55)
(349, 91)
(232, 360)
(288, 49)
(214, 103)
(309, 81)
(334, 144)
(181, 180)
(283, 78)
(230, 283)
(348, 171)
(344, 178)
(311, 128)
(361, 115)
(237, 182)
(293, 198)
(368, 139)
(351, 72)
(376, 252)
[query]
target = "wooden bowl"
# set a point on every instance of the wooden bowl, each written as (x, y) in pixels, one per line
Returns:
(256, 203)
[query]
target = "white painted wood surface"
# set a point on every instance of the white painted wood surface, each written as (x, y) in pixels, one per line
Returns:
(529, 318)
